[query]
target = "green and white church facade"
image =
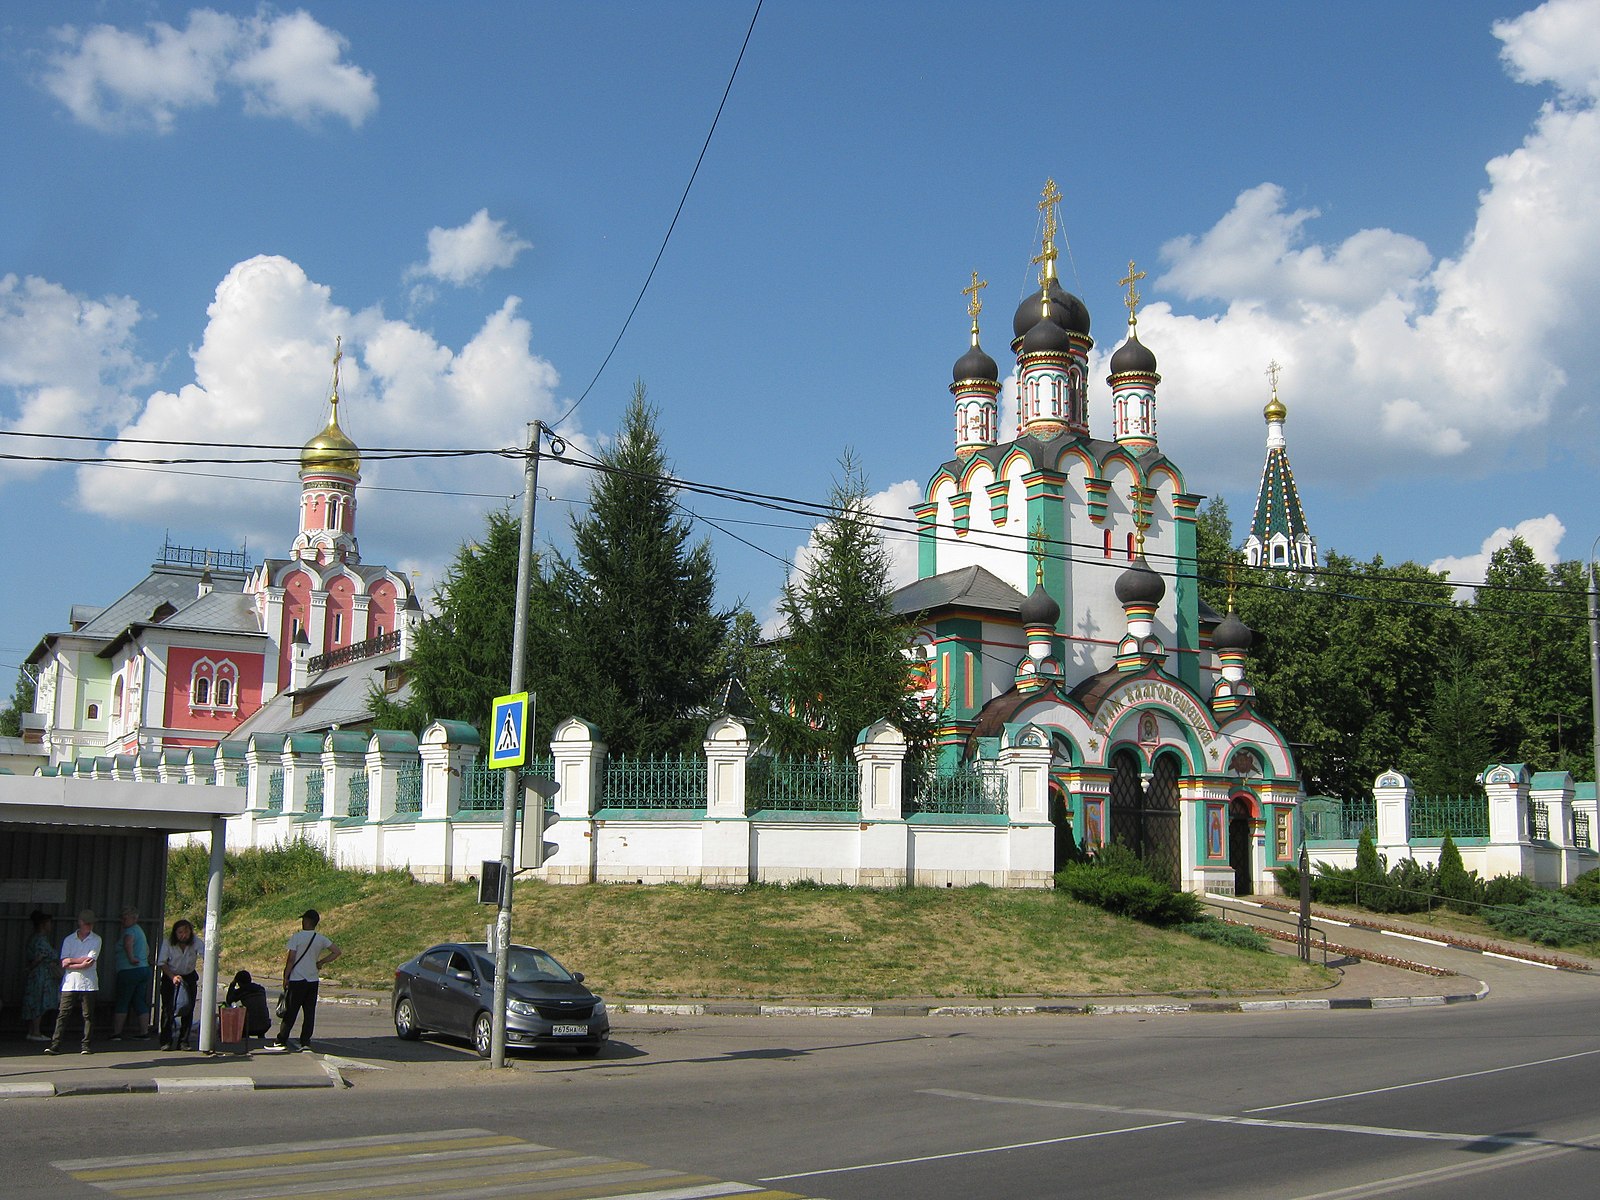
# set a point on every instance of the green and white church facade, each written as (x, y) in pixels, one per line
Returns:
(1057, 590)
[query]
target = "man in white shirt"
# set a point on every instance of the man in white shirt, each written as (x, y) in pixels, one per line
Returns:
(80, 980)
(308, 952)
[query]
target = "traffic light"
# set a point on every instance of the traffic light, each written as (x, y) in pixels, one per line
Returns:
(536, 818)
(491, 881)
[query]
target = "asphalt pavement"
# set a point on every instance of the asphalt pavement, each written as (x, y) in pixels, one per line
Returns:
(354, 1036)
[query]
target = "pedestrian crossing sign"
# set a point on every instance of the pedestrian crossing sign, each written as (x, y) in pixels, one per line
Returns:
(508, 724)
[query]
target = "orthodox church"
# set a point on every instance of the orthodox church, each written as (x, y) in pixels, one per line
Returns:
(205, 646)
(1057, 589)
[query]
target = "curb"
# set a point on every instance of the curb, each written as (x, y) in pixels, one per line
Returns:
(164, 1085)
(734, 1009)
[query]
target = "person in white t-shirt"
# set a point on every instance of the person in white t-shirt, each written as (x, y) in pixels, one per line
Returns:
(179, 967)
(80, 980)
(308, 952)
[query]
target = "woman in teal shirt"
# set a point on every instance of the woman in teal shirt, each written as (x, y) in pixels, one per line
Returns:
(132, 958)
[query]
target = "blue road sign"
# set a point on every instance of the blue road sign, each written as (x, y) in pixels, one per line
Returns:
(508, 724)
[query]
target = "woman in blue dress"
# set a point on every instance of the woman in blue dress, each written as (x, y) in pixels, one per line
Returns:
(41, 987)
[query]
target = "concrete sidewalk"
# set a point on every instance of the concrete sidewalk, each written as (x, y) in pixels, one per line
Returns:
(138, 1066)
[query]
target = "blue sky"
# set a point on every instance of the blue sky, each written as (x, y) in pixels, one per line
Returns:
(1398, 202)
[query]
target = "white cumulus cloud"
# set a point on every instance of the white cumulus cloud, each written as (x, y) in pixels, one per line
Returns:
(1395, 360)
(261, 376)
(281, 65)
(68, 364)
(1543, 535)
(465, 254)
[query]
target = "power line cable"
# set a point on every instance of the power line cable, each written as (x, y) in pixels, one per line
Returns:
(682, 200)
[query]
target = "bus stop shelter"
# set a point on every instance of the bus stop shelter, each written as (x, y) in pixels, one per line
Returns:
(68, 844)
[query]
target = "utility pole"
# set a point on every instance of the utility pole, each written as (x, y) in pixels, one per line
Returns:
(1594, 674)
(508, 818)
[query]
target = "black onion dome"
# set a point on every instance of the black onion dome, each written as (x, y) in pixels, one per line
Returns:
(1066, 310)
(1046, 337)
(1140, 585)
(1232, 634)
(975, 364)
(1039, 608)
(1133, 355)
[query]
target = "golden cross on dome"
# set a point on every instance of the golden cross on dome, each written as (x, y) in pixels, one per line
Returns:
(976, 305)
(1047, 256)
(1233, 582)
(1131, 282)
(1036, 548)
(1139, 500)
(338, 355)
(1273, 370)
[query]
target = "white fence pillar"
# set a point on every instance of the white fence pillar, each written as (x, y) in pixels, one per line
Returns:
(1392, 795)
(1509, 851)
(885, 855)
(725, 835)
(579, 757)
(1554, 789)
(1025, 757)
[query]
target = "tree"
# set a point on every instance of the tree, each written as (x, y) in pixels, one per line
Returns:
(1530, 642)
(841, 663)
(1215, 552)
(643, 637)
(1456, 745)
(461, 657)
(1346, 664)
(22, 700)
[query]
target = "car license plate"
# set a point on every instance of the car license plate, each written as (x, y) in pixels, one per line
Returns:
(568, 1030)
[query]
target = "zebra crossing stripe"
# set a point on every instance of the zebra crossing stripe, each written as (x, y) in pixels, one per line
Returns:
(457, 1164)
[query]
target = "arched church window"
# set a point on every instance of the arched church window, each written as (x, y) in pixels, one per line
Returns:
(338, 627)
(116, 701)
(92, 713)
(1108, 543)
(333, 513)
(202, 690)
(224, 693)
(1130, 547)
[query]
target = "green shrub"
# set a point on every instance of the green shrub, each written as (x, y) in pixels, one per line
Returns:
(1209, 929)
(1585, 889)
(1370, 866)
(1549, 919)
(1457, 884)
(1508, 890)
(1128, 895)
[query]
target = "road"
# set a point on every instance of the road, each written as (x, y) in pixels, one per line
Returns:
(1489, 1099)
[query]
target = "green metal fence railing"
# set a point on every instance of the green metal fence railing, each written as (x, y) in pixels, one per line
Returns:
(1459, 816)
(672, 782)
(801, 785)
(965, 790)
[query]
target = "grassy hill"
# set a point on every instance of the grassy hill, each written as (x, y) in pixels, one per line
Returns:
(758, 942)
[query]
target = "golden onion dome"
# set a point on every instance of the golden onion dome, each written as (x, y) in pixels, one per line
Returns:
(1275, 410)
(331, 450)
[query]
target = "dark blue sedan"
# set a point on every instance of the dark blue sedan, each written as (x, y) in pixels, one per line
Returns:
(449, 989)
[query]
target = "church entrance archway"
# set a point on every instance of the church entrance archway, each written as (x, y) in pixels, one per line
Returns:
(1240, 823)
(1146, 819)
(1066, 846)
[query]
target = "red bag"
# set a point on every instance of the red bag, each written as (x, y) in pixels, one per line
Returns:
(230, 1029)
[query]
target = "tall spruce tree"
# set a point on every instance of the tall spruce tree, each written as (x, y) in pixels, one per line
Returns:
(644, 638)
(461, 657)
(841, 660)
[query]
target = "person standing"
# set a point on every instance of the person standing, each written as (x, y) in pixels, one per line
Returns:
(40, 989)
(80, 957)
(178, 963)
(132, 958)
(307, 953)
